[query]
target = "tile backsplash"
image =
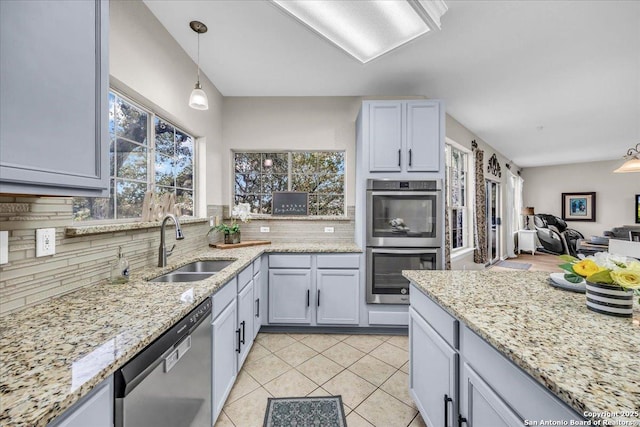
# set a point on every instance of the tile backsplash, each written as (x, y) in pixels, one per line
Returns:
(86, 260)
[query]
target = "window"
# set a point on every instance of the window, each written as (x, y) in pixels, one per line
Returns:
(319, 173)
(458, 203)
(147, 153)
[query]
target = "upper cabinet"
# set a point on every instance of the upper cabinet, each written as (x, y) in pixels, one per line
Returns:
(402, 136)
(54, 80)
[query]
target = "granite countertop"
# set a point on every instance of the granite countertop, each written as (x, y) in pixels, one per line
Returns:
(54, 353)
(589, 360)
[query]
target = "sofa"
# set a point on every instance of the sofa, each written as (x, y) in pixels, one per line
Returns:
(621, 233)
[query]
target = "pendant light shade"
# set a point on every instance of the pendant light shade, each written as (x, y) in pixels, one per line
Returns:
(633, 161)
(198, 99)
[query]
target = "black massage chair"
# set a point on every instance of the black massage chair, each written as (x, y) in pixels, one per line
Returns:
(555, 236)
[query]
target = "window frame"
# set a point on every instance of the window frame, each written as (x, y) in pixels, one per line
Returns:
(289, 153)
(469, 187)
(150, 163)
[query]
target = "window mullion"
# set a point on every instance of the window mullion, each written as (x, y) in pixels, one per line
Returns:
(289, 170)
(151, 149)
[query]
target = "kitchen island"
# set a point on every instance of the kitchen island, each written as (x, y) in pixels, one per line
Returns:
(55, 353)
(589, 361)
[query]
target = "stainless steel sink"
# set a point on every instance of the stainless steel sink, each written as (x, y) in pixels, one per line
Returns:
(208, 266)
(181, 277)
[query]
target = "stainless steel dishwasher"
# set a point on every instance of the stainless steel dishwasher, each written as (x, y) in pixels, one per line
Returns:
(168, 384)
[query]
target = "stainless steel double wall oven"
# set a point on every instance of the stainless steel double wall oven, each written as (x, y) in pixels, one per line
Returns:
(403, 232)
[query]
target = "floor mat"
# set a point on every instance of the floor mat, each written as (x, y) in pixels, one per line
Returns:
(514, 265)
(305, 411)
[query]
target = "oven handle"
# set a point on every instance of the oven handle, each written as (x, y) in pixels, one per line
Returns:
(403, 251)
(404, 192)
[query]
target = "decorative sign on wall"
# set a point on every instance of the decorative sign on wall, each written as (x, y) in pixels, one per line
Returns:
(494, 166)
(290, 203)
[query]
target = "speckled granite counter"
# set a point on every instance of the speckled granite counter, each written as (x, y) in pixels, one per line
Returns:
(54, 353)
(589, 360)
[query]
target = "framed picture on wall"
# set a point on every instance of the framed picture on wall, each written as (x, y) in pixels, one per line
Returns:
(579, 206)
(637, 215)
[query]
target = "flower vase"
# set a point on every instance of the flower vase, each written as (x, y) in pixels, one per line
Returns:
(611, 300)
(232, 238)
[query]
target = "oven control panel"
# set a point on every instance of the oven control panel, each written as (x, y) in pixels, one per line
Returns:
(392, 185)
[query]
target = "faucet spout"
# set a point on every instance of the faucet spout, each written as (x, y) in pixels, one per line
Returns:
(162, 252)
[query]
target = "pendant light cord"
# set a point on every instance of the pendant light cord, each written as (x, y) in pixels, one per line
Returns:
(198, 65)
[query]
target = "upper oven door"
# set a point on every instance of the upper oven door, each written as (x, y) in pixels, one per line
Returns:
(404, 218)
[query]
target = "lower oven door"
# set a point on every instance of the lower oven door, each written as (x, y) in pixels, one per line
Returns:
(385, 283)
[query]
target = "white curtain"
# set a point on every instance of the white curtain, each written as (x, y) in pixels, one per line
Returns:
(510, 220)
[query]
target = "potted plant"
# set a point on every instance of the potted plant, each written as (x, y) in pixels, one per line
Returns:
(231, 231)
(610, 279)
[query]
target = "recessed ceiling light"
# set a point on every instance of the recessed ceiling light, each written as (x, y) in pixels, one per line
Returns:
(367, 29)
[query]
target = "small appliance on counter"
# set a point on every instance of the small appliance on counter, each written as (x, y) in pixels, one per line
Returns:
(120, 269)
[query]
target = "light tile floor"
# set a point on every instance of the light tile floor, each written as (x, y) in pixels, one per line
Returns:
(370, 372)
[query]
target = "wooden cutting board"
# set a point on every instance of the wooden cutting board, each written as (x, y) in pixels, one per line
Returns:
(241, 244)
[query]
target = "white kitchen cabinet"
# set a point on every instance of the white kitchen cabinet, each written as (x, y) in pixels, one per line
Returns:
(290, 296)
(226, 347)
(480, 406)
(338, 296)
(54, 80)
(432, 378)
(95, 409)
(245, 321)
(259, 303)
(403, 136)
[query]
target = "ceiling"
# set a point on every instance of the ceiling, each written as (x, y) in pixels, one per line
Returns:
(543, 82)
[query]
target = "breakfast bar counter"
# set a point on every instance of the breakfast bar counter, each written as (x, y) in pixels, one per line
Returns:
(588, 360)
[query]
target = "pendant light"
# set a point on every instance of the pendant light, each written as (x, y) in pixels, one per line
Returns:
(633, 161)
(198, 99)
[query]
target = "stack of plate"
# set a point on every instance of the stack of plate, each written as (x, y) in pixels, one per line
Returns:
(558, 280)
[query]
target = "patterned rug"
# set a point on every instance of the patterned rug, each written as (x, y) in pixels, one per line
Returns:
(305, 412)
(514, 265)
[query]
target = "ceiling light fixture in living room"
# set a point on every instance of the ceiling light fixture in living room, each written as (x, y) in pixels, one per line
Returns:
(633, 161)
(367, 29)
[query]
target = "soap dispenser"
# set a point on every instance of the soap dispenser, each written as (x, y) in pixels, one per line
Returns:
(120, 269)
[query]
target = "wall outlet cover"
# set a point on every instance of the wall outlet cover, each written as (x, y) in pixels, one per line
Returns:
(45, 242)
(329, 230)
(265, 229)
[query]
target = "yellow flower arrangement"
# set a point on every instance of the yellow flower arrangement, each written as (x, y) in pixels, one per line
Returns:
(603, 268)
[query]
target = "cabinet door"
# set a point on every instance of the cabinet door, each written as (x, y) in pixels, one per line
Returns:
(385, 136)
(245, 321)
(259, 308)
(54, 78)
(225, 345)
(95, 409)
(432, 373)
(423, 136)
(289, 296)
(480, 405)
(338, 297)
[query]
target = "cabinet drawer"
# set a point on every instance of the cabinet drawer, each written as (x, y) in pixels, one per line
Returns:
(443, 323)
(245, 277)
(257, 263)
(289, 261)
(532, 400)
(223, 297)
(339, 261)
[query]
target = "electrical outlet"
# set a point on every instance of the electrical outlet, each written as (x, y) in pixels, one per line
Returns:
(45, 241)
(211, 221)
(328, 230)
(265, 229)
(4, 247)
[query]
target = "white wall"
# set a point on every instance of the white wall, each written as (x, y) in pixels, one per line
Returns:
(148, 65)
(543, 188)
(289, 123)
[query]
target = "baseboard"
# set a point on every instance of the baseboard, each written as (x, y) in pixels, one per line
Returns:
(356, 330)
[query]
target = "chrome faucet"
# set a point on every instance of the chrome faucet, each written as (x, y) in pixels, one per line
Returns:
(164, 253)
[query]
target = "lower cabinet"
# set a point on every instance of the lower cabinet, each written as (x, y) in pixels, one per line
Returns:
(260, 306)
(245, 322)
(290, 296)
(481, 406)
(95, 409)
(433, 368)
(225, 360)
(337, 297)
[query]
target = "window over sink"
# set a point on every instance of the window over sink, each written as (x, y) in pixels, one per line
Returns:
(320, 173)
(147, 153)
